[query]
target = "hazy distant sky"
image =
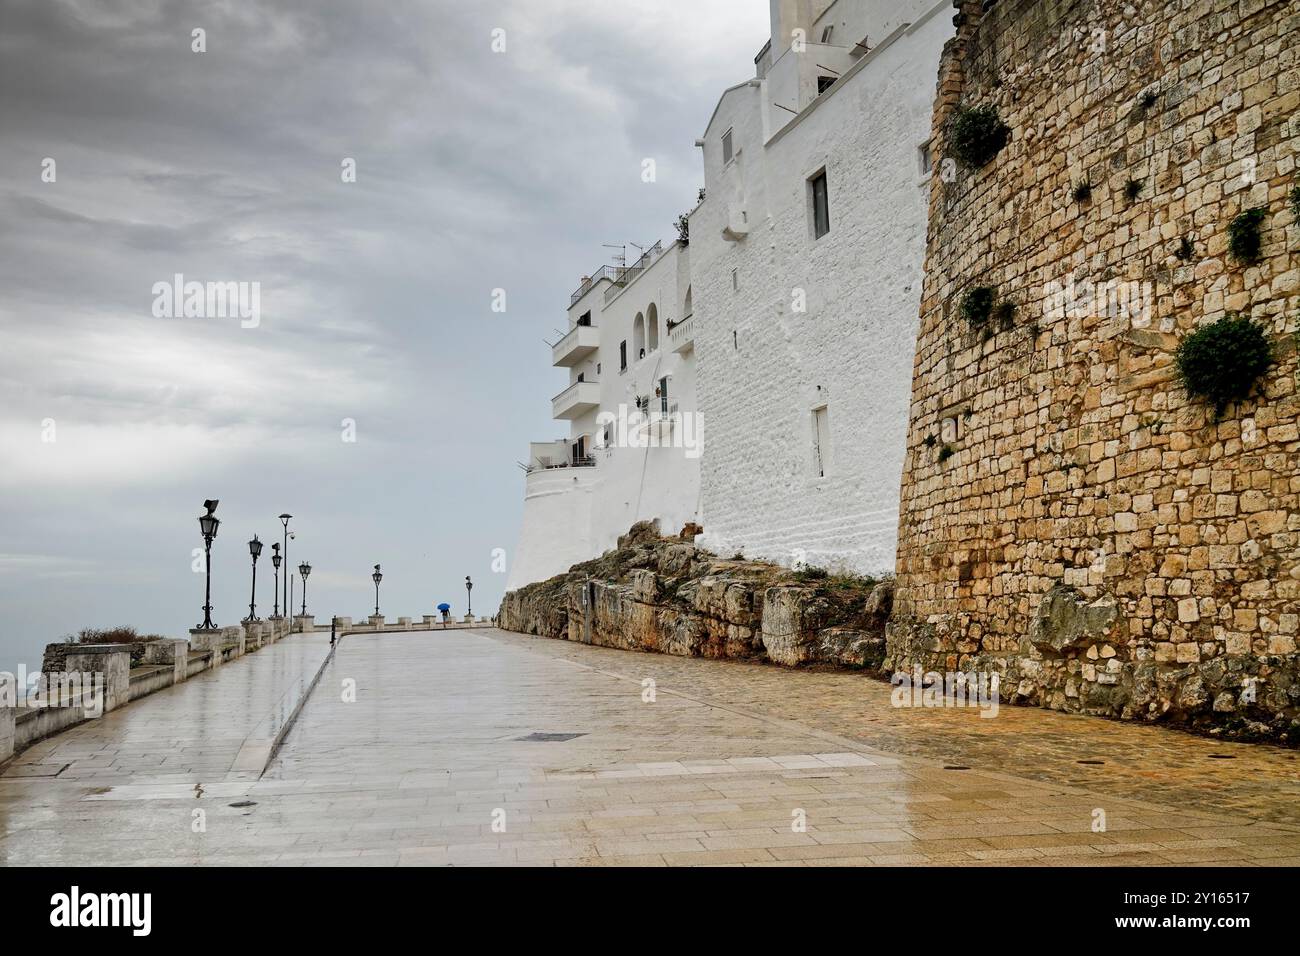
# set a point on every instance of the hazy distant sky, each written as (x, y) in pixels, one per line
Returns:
(476, 170)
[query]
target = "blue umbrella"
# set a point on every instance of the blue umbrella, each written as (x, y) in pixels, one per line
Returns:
(444, 607)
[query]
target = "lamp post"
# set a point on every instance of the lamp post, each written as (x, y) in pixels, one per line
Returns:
(288, 568)
(376, 577)
(275, 562)
(469, 586)
(208, 524)
(255, 549)
(304, 569)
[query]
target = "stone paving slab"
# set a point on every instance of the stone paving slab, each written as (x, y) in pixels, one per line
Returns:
(486, 748)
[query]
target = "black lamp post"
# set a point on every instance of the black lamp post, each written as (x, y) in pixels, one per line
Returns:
(304, 569)
(275, 562)
(255, 549)
(288, 568)
(376, 577)
(208, 524)
(469, 586)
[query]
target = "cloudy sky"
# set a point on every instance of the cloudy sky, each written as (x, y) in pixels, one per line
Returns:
(476, 170)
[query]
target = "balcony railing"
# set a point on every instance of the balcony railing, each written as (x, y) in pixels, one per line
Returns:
(577, 344)
(627, 274)
(587, 462)
(605, 272)
(682, 335)
(578, 398)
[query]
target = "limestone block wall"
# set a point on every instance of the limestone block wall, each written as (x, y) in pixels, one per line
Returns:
(787, 322)
(1069, 514)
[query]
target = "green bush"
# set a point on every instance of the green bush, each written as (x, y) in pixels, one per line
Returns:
(1243, 235)
(1082, 191)
(977, 305)
(1185, 249)
(946, 452)
(1222, 361)
(1132, 189)
(978, 134)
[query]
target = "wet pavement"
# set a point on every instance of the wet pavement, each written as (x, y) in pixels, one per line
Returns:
(484, 747)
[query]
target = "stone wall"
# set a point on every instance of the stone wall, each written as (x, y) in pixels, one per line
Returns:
(1070, 516)
(666, 595)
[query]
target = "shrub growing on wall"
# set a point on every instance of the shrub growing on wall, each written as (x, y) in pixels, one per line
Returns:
(978, 134)
(1243, 235)
(1222, 361)
(977, 305)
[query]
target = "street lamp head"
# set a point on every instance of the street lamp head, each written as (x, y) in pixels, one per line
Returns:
(275, 558)
(255, 548)
(376, 576)
(209, 522)
(284, 519)
(304, 569)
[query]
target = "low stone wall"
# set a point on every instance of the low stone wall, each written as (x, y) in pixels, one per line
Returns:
(666, 595)
(128, 671)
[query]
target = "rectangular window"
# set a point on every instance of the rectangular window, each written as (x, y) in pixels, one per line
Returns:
(821, 442)
(663, 396)
(735, 280)
(824, 83)
(923, 158)
(821, 213)
(826, 34)
(622, 356)
(726, 147)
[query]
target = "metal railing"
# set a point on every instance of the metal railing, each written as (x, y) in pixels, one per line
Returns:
(627, 274)
(605, 272)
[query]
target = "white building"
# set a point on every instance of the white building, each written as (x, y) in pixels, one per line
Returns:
(806, 259)
(633, 450)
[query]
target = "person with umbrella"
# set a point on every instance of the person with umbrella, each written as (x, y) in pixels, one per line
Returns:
(444, 607)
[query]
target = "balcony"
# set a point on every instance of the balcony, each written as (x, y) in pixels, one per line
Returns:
(681, 337)
(580, 342)
(576, 400)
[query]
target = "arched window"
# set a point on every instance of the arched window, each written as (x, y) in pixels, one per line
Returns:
(689, 310)
(638, 337)
(652, 327)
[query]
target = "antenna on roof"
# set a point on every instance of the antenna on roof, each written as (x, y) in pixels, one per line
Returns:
(620, 258)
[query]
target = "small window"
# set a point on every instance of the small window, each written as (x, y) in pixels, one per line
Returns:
(622, 356)
(584, 319)
(821, 442)
(923, 158)
(597, 368)
(735, 280)
(821, 213)
(726, 147)
(826, 33)
(824, 83)
(663, 395)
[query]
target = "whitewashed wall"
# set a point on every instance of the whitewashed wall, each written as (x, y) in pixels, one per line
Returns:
(573, 514)
(763, 366)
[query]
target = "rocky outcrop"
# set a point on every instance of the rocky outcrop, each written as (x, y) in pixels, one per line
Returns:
(663, 594)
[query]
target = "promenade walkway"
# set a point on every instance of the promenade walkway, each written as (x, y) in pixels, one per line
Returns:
(484, 747)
